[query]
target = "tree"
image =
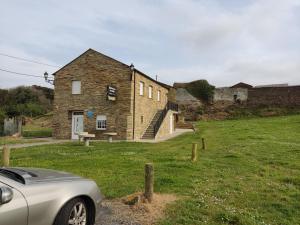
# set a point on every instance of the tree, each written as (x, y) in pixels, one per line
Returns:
(201, 89)
(2, 117)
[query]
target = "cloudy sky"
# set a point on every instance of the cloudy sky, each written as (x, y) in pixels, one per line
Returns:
(223, 41)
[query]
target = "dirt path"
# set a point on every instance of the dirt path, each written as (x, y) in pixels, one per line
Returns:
(115, 212)
(45, 141)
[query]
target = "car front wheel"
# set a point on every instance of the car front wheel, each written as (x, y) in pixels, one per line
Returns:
(75, 212)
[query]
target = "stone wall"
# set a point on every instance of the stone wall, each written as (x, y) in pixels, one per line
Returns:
(228, 94)
(164, 129)
(147, 107)
(274, 96)
(95, 71)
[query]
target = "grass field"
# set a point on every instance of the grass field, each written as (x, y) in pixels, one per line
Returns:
(249, 174)
(40, 126)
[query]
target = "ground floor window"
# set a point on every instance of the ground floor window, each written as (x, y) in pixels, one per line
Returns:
(101, 122)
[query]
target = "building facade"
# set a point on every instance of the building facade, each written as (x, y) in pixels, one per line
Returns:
(98, 94)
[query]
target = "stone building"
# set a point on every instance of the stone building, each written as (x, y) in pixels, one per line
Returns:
(235, 93)
(230, 94)
(98, 94)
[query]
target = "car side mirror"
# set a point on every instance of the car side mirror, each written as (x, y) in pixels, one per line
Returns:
(6, 195)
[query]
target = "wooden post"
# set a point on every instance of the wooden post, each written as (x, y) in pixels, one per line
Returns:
(194, 152)
(149, 181)
(203, 144)
(5, 156)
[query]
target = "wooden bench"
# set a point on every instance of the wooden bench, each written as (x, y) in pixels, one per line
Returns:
(86, 137)
(110, 135)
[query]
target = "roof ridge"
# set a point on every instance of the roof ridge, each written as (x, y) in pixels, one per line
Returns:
(145, 75)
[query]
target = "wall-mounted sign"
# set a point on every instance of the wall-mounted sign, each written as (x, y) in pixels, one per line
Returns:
(111, 93)
(90, 114)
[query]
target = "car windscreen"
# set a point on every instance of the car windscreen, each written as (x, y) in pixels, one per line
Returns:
(12, 175)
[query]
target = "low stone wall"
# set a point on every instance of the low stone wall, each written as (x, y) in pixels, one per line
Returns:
(274, 96)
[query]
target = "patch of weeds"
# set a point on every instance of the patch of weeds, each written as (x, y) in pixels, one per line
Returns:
(164, 181)
(231, 156)
(227, 218)
(291, 181)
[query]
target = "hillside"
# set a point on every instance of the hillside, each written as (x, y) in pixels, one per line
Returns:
(26, 101)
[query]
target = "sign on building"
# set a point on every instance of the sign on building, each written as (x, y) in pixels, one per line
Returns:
(111, 93)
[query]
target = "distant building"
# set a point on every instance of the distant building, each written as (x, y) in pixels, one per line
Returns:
(242, 85)
(230, 94)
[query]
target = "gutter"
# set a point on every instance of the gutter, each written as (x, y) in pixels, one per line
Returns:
(133, 121)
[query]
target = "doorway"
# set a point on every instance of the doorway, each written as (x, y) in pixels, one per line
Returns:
(77, 124)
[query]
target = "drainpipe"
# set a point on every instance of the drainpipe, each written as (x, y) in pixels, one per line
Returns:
(133, 115)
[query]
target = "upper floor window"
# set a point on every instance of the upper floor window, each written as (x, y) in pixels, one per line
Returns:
(76, 87)
(158, 95)
(101, 122)
(150, 91)
(141, 88)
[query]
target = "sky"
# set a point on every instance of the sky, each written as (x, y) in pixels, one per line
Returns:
(222, 41)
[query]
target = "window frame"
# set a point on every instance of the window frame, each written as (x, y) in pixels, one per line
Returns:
(73, 87)
(104, 127)
(142, 87)
(150, 93)
(158, 95)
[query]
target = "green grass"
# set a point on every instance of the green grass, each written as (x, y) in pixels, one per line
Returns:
(38, 127)
(249, 174)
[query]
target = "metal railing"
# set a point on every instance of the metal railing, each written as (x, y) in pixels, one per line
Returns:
(169, 106)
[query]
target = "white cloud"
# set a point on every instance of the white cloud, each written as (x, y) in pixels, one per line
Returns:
(222, 41)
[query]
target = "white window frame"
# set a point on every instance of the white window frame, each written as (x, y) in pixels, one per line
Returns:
(150, 92)
(101, 122)
(142, 84)
(158, 95)
(76, 87)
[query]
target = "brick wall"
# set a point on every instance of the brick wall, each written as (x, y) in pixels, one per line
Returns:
(274, 96)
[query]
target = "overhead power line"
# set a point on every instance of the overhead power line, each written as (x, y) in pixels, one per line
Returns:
(21, 74)
(28, 60)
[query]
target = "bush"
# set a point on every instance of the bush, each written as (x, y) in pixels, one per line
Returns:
(2, 117)
(201, 89)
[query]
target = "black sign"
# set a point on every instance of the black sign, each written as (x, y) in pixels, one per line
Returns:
(111, 93)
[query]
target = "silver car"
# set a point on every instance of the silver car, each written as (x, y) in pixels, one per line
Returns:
(46, 197)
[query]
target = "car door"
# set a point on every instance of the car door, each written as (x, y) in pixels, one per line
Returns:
(14, 212)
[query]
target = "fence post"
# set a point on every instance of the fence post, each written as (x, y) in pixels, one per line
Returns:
(149, 181)
(203, 144)
(5, 156)
(194, 152)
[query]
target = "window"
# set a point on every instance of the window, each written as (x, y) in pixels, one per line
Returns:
(142, 119)
(76, 87)
(101, 122)
(150, 91)
(158, 95)
(141, 88)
